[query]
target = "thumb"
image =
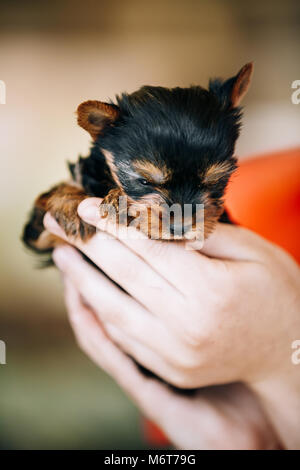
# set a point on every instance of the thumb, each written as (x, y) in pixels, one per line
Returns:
(233, 242)
(89, 211)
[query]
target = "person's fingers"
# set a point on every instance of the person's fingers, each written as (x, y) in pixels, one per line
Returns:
(170, 259)
(150, 395)
(127, 269)
(233, 243)
(171, 369)
(51, 225)
(102, 294)
(122, 326)
(116, 308)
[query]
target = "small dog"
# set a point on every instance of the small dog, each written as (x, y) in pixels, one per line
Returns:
(157, 146)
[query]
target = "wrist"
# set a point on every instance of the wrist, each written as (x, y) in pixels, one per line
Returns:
(280, 397)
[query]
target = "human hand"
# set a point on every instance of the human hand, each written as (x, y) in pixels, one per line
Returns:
(192, 319)
(224, 417)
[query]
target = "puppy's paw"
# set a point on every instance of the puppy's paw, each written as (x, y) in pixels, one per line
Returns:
(110, 206)
(63, 205)
(72, 225)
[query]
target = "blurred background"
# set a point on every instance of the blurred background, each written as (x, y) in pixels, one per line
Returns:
(53, 55)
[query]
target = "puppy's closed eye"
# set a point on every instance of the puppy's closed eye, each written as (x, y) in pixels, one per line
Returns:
(144, 182)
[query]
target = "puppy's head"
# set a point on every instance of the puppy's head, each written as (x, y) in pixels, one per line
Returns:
(169, 147)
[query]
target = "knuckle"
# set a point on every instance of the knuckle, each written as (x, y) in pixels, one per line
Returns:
(187, 362)
(192, 335)
(181, 380)
(113, 316)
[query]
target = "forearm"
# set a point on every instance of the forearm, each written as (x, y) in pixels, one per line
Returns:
(280, 397)
(279, 390)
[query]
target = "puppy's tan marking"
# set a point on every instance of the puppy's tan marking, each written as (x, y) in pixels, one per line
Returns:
(111, 164)
(217, 171)
(152, 173)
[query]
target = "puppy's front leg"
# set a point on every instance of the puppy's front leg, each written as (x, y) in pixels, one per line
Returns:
(62, 202)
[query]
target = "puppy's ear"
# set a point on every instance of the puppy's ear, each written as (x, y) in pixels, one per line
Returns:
(240, 84)
(232, 91)
(95, 116)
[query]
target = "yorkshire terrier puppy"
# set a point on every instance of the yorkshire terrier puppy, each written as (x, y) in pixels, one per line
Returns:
(158, 147)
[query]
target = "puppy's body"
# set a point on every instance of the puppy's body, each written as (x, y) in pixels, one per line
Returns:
(157, 147)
